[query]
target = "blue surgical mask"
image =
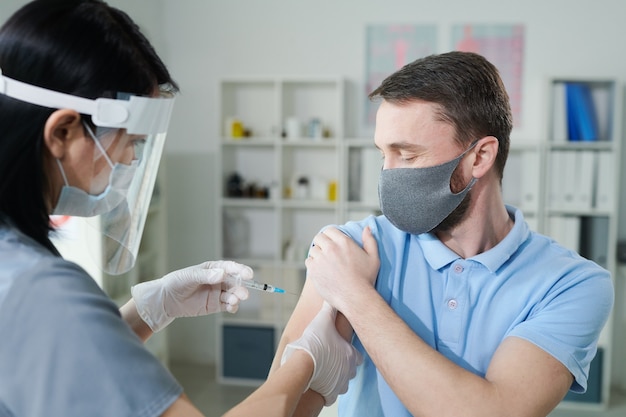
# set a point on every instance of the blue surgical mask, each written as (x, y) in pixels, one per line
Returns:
(416, 200)
(74, 201)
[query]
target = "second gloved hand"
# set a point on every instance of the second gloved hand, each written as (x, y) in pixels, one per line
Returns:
(335, 360)
(193, 291)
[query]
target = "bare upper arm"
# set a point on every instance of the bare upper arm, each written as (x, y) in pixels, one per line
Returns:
(307, 307)
(527, 377)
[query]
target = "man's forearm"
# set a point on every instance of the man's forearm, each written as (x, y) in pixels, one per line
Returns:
(425, 381)
(521, 380)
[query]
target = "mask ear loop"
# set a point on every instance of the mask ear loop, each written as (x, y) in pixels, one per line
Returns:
(62, 172)
(473, 180)
(472, 145)
(99, 145)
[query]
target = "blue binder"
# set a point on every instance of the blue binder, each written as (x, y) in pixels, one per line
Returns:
(582, 121)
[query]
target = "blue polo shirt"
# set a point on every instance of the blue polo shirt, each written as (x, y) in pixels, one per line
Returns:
(527, 286)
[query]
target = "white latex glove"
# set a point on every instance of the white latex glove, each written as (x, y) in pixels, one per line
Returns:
(193, 291)
(334, 359)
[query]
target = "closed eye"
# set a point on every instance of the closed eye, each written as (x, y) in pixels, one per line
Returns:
(408, 158)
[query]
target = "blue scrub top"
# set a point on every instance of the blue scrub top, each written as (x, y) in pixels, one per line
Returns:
(65, 350)
(527, 286)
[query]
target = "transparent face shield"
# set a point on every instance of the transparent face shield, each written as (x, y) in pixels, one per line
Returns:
(128, 135)
(131, 195)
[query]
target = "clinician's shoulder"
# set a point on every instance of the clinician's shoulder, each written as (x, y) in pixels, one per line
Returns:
(31, 274)
(55, 299)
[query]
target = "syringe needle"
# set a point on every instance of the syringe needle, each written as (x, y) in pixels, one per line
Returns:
(237, 280)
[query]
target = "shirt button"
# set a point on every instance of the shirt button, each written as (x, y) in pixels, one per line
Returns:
(453, 304)
(458, 268)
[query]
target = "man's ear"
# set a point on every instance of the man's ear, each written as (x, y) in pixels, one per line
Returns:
(61, 128)
(486, 152)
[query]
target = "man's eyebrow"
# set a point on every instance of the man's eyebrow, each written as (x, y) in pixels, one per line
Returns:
(402, 145)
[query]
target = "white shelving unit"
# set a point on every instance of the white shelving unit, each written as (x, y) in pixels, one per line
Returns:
(521, 182)
(81, 242)
(289, 151)
(569, 190)
(266, 216)
(581, 195)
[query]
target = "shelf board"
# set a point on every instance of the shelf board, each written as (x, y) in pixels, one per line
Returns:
(249, 141)
(309, 204)
(600, 145)
(579, 213)
(310, 143)
(246, 202)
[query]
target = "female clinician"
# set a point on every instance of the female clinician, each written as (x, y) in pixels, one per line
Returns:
(84, 106)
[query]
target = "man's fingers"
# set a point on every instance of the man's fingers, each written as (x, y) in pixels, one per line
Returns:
(369, 242)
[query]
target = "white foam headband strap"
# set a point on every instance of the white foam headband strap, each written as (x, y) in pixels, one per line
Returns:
(138, 115)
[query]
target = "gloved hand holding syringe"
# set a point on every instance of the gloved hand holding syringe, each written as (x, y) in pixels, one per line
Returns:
(196, 291)
(237, 281)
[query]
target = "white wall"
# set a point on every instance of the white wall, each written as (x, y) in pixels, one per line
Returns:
(206, 40)
(203, 40)
(210, 39)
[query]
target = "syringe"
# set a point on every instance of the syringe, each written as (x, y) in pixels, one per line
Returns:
(248, 283)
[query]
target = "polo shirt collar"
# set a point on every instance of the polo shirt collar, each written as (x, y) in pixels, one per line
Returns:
(439, 255)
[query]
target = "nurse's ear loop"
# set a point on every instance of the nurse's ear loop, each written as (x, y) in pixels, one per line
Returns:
(98, 144)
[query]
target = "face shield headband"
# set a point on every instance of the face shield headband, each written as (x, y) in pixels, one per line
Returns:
(121, 228)
(138, 115)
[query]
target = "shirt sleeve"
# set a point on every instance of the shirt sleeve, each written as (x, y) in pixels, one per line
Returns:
(568, 320)
(71, 354)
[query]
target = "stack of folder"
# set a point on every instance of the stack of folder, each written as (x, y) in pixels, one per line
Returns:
(581, 183)
(582, 121)
(581, 112)
(581, 180)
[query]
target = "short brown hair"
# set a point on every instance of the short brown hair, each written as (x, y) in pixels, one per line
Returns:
(468, 89)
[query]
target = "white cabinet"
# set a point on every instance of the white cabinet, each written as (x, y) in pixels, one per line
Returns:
(282, 178)
(362, 165)
(576, 171)
(580, 192)
(521, 182)
(568, 188)
(80, 241)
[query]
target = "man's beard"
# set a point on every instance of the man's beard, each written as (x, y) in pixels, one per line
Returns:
(459, 213)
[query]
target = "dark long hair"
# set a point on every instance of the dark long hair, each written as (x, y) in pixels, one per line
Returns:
(81, 47)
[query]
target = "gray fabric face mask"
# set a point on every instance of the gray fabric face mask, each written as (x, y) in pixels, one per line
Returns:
(416, 200)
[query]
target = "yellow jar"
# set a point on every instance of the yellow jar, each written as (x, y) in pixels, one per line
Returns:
(332, 191)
